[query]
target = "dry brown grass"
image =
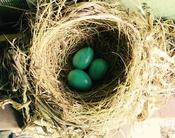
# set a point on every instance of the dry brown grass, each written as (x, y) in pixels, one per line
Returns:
(141, 52)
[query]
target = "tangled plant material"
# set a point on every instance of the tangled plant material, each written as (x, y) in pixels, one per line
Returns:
(141, 52)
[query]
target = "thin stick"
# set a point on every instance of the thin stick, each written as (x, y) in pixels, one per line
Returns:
(8, 37)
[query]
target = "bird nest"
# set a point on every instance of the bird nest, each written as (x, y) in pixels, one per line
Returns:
(141, 67)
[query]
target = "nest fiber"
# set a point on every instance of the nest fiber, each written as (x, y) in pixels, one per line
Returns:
(140, 53)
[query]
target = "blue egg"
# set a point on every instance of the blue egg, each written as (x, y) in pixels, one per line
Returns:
(98, 69)
(79, 80)
(83, 58)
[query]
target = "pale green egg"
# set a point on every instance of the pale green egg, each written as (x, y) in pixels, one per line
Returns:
(98, 69)
(83, 58)
(79, 80)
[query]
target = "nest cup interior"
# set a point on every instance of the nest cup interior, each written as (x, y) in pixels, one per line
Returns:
(108, 43)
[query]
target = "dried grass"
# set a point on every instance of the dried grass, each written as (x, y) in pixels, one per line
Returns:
(141, 51)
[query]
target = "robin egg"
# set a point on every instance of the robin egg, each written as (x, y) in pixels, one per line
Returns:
(79, 80)
(98, 69)
(83, 58)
